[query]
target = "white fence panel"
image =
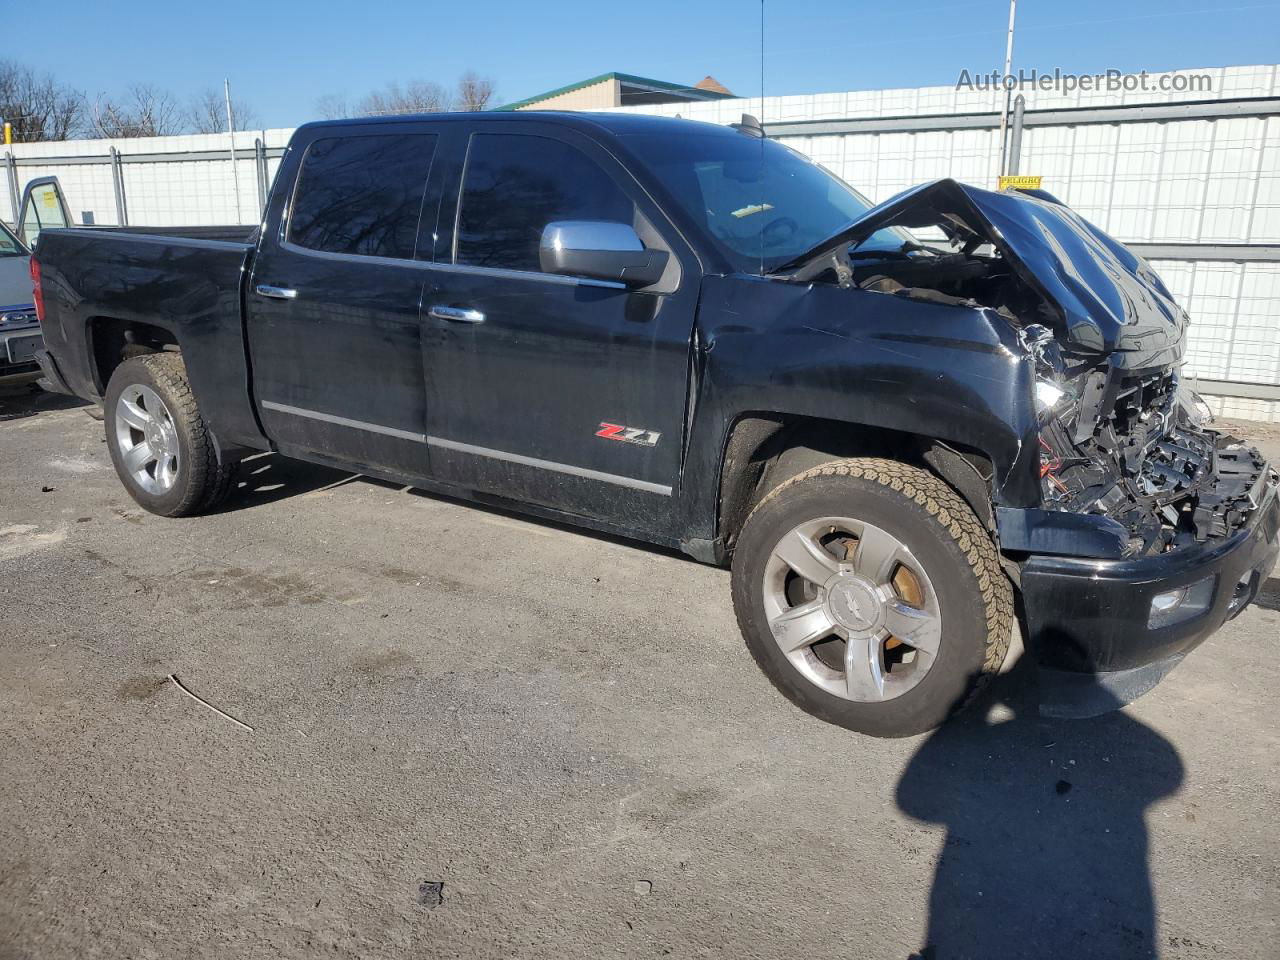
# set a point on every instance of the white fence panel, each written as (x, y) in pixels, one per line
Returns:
(168, 181)
(1193, 180)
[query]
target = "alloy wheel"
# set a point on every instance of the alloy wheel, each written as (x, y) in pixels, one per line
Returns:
(852, 609)
(148, 439)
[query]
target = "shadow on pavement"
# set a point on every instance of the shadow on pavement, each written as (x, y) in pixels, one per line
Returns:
(267, 477)
(1046, 845)
(1269, 595)
(21, 398)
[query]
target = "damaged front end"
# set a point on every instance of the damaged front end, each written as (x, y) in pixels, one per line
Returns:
(1121, 440)
(1136, 448)
(1152, 529)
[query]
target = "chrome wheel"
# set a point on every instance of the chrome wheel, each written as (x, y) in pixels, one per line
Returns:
(148, 439)
(852, 609)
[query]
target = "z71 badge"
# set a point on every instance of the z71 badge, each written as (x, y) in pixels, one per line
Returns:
(616, 431)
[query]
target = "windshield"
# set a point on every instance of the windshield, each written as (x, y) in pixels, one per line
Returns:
(761, 203)
(9, 245)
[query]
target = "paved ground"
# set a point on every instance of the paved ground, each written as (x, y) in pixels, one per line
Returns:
(563, 730)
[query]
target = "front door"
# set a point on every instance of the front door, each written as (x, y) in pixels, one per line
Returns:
(43, 207)
(549, 389)
(333, 304)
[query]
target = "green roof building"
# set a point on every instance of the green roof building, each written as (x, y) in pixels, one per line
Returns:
(620, 90)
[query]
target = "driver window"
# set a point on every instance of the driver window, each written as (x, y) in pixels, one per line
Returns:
(515, 184)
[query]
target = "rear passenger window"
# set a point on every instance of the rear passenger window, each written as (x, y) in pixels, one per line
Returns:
(362, 195)
(515, 184)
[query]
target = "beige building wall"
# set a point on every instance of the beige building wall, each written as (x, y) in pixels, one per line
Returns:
(606, 93)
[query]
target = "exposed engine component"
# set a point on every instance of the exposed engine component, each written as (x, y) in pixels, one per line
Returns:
(1131, 449)
(973, 275)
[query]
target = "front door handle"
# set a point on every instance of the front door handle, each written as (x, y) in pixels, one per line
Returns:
(457, 314)
(275, 293)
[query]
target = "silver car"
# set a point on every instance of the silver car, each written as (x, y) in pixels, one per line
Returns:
(19, 328)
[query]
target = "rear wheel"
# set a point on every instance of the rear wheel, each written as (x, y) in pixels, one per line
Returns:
(161, 447)
(871, 596)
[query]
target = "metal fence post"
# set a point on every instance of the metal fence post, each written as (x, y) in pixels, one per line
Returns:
(117, 179)
(260, 164)
(1015, 135)
(11, 168)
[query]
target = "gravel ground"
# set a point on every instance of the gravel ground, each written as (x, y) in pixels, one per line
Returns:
(476, 735)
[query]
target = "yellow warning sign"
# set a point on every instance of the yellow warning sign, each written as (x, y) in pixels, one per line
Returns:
(1020, 183)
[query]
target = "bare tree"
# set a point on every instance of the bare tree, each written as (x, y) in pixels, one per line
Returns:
(36, 106)
(474, 92)
(333, 106)
(417, 96)
(207, 113)
(145, 111)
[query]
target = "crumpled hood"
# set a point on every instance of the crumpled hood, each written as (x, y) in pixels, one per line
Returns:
(1109, 298)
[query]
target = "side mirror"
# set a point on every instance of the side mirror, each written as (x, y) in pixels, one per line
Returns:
(599, 250)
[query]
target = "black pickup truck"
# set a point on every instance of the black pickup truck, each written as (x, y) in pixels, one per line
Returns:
(888, 420)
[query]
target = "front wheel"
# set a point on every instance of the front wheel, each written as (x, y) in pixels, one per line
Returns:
(871, 596)
(162, 449)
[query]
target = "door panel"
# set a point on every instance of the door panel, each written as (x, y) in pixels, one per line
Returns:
(338, 368)
(550, 365)
(334, 302)
(567, 393)
(43, 206)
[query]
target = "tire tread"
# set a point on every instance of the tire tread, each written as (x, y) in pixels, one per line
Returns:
(941, 502)
(211, 475)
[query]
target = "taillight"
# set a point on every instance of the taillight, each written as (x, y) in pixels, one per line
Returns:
(37, 292)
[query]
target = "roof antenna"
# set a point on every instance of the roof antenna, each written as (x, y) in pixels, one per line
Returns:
(749, 125)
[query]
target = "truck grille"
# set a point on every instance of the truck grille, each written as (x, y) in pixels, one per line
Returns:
(18, 318)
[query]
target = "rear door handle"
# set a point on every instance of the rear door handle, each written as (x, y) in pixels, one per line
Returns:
(275, 293)
(457, 314)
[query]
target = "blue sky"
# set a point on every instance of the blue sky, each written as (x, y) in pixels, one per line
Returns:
(281, 55)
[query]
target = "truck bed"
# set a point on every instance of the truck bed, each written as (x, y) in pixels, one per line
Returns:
(102, 281)
(232, 233)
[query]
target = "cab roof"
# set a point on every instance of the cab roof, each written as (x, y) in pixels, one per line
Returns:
(618, 124)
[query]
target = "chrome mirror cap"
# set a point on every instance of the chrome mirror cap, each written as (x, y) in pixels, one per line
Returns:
(603, 235)
(600, 250)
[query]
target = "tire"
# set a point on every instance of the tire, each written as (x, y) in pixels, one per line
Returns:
(946, 594)
(196, 478)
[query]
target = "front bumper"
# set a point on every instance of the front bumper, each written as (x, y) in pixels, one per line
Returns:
(18, 349)
(1087, 620)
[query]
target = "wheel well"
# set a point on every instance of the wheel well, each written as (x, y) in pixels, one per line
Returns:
(112, 341)
(764, 450)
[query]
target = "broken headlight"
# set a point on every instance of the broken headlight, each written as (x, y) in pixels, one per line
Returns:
(1050, 393)
(1193, 406)
(1048, 397)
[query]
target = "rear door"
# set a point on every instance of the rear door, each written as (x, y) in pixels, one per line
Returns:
(560, 391)
(333, 305)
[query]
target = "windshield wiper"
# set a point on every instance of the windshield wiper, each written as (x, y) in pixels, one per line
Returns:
(901, 253)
